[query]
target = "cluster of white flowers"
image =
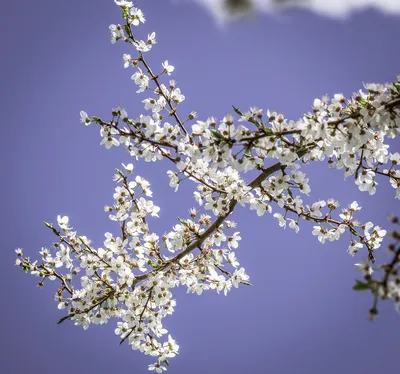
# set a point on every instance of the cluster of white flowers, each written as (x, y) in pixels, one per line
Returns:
(388, 286)
(132, 276)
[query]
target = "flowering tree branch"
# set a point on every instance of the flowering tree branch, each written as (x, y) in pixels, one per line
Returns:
(131, 277)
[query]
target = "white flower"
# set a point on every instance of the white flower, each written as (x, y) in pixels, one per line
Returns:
(127, 60)
(120, 111)
(315, 208)
(137, 16)
(141, 46)
(353, 248)
(167, 67)
(294, 225)
(128, 168)
(151, 38)
(63, 221)
(233, 241)
(199, 127)
(117, 33)
(365, 268)
(321, 232)
(354, 206)
(176, 96)
(141, 79)
(395, 158)
(84, 118)
(366, 176)
(282, 182)
(364, 186)
(108, 139)
(157, 367)
(19, 253)
(239, 276)
(219, 237)
(232, 259)
(124, 3)
(281, 219)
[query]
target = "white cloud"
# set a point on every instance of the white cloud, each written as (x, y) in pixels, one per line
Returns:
(224, 9)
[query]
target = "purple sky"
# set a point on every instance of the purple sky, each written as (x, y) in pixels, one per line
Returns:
(301, 315)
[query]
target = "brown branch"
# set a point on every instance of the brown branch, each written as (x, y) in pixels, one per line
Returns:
(155, 79)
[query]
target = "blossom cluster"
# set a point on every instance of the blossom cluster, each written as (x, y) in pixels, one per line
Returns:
(132, 276)
(389, 285)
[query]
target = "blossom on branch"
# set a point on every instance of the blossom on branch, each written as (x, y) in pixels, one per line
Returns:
(132, 276)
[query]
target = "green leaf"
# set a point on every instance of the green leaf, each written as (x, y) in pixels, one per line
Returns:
(120, 173)
(363, 102)
(152, 264)
(49, 225)
(246, 283)
(361, 286)
(63, 319)
(183, 222)
(237, 110)
(267, 131)
(216, 134)
(125, 13)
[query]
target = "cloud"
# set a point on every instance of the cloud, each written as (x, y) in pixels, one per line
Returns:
(225, 9)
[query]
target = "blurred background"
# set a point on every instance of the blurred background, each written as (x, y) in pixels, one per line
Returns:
(342, 9)
(301, 316)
